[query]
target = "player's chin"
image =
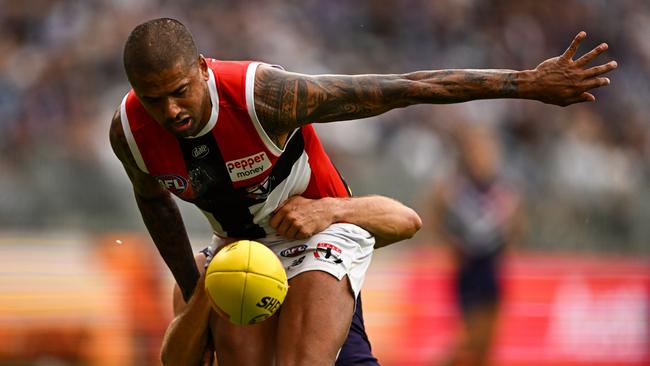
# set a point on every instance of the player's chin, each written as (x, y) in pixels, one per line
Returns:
(184, 134)
(183, 129)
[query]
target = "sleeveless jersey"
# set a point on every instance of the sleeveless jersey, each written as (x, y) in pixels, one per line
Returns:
(231, 169)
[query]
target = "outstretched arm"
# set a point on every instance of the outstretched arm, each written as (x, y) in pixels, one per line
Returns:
(387, 219)
(160, 215)
(285, 100)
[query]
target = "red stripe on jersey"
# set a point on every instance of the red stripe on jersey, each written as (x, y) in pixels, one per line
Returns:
(325, 180)
(230, 77)
(235, 133)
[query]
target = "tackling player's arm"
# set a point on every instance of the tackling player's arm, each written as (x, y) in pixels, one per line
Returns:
(388, 220)
(286, 100)
(160, 215)
(186, 340)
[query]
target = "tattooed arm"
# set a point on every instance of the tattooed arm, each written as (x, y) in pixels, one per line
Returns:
(285, 100)
(160, 215)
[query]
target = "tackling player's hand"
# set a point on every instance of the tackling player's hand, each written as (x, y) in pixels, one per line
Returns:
(563, 81)
(300, 217)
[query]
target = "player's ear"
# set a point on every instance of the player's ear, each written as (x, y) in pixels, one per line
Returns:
(203, 66)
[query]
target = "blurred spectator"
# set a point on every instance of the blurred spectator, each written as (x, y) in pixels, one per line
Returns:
(588, 161)
(478, 215)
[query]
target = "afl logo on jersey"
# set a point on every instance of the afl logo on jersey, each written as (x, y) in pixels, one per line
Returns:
(200, 151)
(173, 183)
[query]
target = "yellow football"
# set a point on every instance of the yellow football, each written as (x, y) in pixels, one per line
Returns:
(246, 282)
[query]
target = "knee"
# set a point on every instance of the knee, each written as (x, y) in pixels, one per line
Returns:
(230, 340)
(245, 345)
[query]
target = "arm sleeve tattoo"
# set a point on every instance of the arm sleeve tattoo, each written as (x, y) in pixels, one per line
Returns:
(284, 100)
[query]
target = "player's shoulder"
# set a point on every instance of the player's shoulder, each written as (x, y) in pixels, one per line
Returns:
(117, 137)
(116, 132)
(269, 75)
(120, 144)
(222, 66)
(228, 66)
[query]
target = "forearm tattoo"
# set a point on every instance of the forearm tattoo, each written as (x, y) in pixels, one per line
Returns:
(284, 101)
(510, 88)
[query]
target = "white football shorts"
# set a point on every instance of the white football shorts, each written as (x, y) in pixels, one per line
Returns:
(341, 249)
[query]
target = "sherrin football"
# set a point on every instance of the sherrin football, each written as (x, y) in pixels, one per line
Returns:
(246, 282)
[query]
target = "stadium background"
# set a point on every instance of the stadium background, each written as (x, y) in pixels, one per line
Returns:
(578, 286)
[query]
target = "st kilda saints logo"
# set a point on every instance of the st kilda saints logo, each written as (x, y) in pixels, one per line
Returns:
(260, 191)
(327, 252)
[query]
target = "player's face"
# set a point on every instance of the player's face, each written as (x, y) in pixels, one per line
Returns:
(177, 98)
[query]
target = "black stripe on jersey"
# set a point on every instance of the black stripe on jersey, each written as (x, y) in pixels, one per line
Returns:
(281, 170)
(345, 184)
(214, 190)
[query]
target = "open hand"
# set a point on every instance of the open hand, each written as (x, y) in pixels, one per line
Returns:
(563, 81)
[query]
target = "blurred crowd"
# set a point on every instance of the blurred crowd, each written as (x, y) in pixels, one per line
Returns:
(582, 171)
